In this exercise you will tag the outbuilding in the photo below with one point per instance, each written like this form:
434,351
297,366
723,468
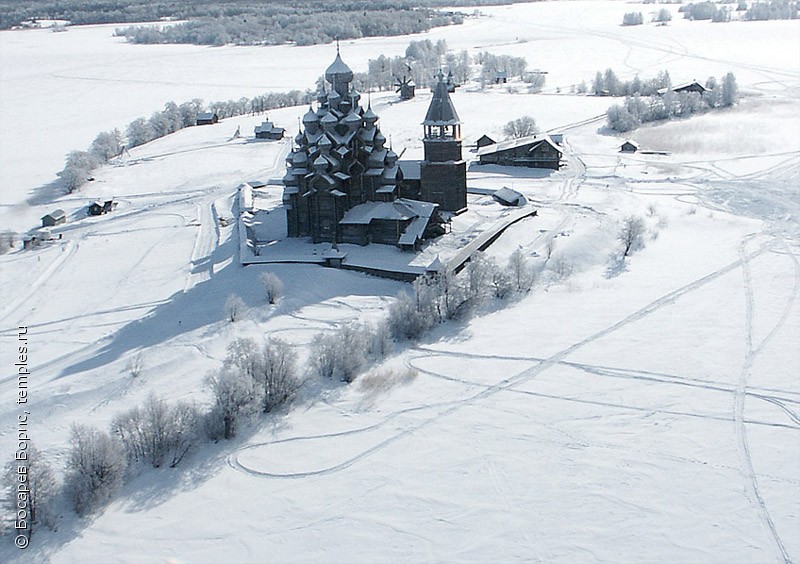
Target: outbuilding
508,197
207,118
55,217
629,147
485,141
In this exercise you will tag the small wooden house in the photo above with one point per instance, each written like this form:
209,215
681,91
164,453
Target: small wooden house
100,207
501,77
532,152
629,147
693,86
207,118
509,197
268,130
485,141
55,217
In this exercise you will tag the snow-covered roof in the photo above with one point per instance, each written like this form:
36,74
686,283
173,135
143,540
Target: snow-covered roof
410,169
206,115
441,111
533,141
509,197
56,214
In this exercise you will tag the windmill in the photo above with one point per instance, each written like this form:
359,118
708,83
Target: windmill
405,87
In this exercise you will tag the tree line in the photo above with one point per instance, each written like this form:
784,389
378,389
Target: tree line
15,12
638,108
109,144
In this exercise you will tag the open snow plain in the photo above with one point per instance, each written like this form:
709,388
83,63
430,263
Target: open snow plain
644,415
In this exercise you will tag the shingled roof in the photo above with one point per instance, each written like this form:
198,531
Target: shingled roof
441,111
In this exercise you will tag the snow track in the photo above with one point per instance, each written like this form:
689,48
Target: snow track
752,351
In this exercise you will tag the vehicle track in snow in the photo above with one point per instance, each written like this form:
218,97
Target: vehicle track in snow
493,389
752,352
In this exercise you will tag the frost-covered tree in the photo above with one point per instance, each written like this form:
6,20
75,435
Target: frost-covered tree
277,376
139,132
107,145
341,354
633,18
631,235
94,470
405,320
7,238
33,473
730,91
273,286
663,16
520,127
77,169
234,398
234,308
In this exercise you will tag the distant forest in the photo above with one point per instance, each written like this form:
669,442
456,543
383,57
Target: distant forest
246,22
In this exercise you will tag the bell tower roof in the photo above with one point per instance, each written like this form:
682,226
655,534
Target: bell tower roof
441,111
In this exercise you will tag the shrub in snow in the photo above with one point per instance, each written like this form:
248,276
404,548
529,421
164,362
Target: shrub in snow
273,286
272,367
94,470
234,307
234,398
521,272
135,365
341,354
6,241
405,321
41,485
158,433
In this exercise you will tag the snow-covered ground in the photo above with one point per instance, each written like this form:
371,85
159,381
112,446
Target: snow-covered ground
647,415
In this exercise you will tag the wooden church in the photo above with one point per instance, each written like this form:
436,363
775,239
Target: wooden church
342,181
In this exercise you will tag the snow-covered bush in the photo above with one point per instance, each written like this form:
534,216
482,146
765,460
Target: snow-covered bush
235,398
405,321
234,307
342,354
41,485
273,286
521,272
6,241
94,470
272,367
663,16
158,433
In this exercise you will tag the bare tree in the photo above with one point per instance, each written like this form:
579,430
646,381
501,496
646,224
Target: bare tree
234,306
95,467
234,397
273,286
520,127
278,376
520,271
631,235
135,365
33,479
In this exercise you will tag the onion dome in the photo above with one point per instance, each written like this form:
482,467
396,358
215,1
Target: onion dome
321,163
379,140
391,158
338,72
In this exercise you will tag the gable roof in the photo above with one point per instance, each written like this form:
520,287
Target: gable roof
533,140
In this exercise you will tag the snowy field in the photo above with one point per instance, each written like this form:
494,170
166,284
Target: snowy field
644,415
